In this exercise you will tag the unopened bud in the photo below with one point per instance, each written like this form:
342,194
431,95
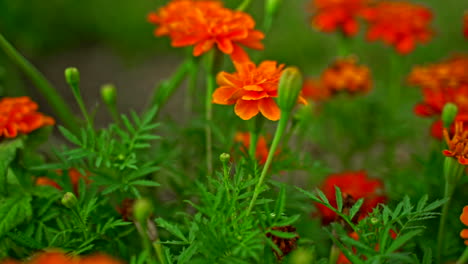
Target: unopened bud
72,76
374,220
224,157
108,94
69,200
449,113
272,6
142,210
290,85
302,255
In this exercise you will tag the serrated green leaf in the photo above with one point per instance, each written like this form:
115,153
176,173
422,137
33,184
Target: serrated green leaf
339,199
171,228
353,211
400,240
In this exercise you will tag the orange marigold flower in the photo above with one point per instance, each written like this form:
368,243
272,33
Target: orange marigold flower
331,15
353,186
346,75
458,144
98,259
53,257
206,23
398,23
74,175
251,89
314,90
18,115
464,220
261,150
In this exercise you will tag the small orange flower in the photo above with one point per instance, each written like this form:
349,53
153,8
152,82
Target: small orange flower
261,151
74,175
331,15
59,257
398,23
314,90
346,75
18,115
464,220
251,89
458,144
204,24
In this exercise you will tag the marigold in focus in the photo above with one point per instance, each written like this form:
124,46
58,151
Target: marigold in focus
18,115
464,220
458,144
398,23
346,75
353,186
332,15
251,89
204,24
261,150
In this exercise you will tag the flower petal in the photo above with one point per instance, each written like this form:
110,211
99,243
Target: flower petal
270,109
222,95
246,109
225,45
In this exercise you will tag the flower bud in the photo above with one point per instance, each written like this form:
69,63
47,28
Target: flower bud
290,85
272,6
453,170
69,200
108,94
72,76
449,113
302,255
224,157
142,210
374,220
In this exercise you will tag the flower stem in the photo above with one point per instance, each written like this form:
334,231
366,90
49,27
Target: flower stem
449,189
210,83
226,179
244,5
283,122
57,103
463,258
334,254
159,252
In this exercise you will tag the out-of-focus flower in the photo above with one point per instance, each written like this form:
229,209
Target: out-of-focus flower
437,127
261,151
98,259
251,89
19,115
286,245
465,24
353,186
126,209
332,15
59,257
204,24
398,23
74,175
458,144
312,89
345,75
464,220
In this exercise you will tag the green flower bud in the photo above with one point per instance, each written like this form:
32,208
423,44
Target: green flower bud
290,85
453,170
142,209
272,6
302,255
108,94
72,76
374,220
69,200
224,157
449,113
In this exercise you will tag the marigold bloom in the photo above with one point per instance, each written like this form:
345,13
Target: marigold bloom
437,128
59,257
74,175
206,23
331,15
353,186
458,144
346,75
464,220
314,90
261,150
398,23
251,89
19,115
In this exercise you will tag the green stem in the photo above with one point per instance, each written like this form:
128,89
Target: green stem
226,179
164,91
57,103
449,189
334,254
244,5
344,44
210,84
463,258
283,122
79,99
159,252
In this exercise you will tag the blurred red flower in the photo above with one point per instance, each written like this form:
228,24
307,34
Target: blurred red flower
353,186
59,257
261,150
398,23
464,220
206,23
314,90
74,175
251,89
19,115
345,75
332,15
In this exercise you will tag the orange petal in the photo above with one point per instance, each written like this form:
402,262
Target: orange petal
223,94
253,95
239,55
246,109
270,109
227,79
464,216
464,234
203,47
225,45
